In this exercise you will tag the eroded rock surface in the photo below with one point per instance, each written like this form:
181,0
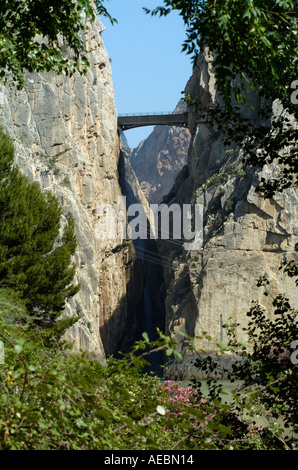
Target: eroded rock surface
65,135
245,236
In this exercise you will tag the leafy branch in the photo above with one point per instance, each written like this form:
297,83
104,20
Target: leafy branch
45,35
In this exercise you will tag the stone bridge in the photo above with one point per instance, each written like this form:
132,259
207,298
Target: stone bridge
130,121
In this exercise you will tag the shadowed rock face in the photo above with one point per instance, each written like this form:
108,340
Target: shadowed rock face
151,310
65,135
158,159
245,236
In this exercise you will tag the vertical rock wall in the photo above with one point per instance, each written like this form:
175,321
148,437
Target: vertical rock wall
65,135
245,235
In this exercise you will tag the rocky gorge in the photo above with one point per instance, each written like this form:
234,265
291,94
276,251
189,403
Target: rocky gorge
65,134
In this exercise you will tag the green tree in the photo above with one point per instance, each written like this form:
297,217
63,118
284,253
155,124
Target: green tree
35,251
253,39
44,35
269,363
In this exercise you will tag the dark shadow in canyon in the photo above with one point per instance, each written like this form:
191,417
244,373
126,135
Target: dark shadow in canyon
150,313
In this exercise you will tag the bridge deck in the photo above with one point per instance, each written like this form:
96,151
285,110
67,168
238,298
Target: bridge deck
132,121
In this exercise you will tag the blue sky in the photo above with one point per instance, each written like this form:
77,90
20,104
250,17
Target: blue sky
149,69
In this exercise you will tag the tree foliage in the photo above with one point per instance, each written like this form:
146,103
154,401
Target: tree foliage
35,251
254,43
52,400
269,364
267,371
253,39
44,35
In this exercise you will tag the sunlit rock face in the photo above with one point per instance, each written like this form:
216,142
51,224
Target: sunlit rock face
65,135
245,236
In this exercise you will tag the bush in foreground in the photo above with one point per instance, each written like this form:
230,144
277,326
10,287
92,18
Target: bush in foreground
54,400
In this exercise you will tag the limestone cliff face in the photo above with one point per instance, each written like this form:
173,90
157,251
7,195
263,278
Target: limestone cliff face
245,236
151,314
65,135
159,158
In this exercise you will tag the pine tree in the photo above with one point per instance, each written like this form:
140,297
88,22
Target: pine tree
35,252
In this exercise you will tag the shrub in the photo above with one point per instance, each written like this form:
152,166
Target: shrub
53,400
267,373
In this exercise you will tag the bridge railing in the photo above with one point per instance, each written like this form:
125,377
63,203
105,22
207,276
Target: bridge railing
162,113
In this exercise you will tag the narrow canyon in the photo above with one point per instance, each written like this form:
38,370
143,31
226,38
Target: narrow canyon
67,140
